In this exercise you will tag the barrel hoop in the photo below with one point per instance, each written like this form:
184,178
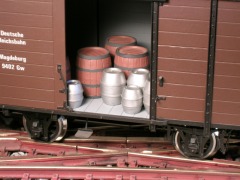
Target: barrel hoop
90,70
129,69
131,55
120,45
104,56
91,85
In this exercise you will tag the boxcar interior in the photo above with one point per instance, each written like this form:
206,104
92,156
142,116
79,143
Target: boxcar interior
104,19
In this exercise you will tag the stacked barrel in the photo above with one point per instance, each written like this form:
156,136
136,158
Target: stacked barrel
130,58
91,62
121,84
115,42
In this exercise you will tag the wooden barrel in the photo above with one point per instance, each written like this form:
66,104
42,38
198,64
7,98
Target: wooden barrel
68,69
130,58
114,42
91,62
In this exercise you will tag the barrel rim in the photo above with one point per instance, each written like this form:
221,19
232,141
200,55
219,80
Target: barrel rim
90,70
107,55
123,68
131,55
120,45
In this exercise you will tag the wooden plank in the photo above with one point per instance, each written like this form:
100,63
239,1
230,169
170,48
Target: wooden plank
104,109
185,12
35,0
32,33
228,29
228,56
28,46
228,43
94,105
127,115
231,5
32,58
230,82
226,107
183,39
177,90
27,20
230,95
227,69
183,26
179,114
27,82
26,7
183,78
27,93
26,103
117,110
188,3
142,114
226,119
182,104
29,70
180,65
86,102
182,52
229,15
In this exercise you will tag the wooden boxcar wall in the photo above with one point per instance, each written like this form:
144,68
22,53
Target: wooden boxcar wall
226,98
34,81
183,61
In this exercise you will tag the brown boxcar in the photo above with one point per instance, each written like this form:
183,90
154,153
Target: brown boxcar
194,52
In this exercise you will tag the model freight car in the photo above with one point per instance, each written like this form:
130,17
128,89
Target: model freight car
194,55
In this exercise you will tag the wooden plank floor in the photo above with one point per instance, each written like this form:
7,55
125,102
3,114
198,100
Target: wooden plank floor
98,106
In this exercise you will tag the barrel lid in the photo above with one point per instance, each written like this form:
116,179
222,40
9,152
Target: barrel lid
119,41
93,53
132,51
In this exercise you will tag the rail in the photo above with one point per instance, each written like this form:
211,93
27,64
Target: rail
95,158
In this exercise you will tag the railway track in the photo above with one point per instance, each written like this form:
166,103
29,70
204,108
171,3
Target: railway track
103,158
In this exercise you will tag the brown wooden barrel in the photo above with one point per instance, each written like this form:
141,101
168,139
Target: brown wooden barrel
68,69
129,58
91,62
114,42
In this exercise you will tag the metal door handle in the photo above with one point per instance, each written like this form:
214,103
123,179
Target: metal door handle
161,81
160,98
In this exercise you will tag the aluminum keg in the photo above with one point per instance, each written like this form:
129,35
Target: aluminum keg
75,93
112,83
138,77
132,99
